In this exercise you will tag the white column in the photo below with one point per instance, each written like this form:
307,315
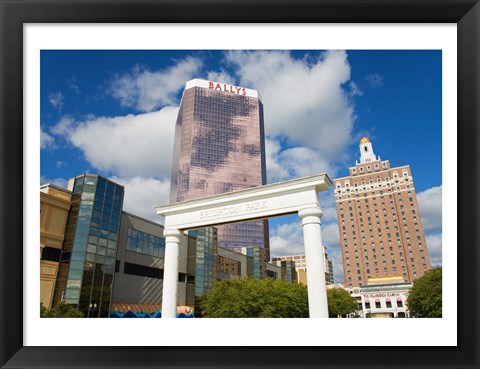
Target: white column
170,273
317,290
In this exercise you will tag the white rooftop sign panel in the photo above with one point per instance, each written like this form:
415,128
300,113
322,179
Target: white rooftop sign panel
220,86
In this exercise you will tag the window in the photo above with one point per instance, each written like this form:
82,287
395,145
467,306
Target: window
50,253
144,243
143,271
377,304
389,304
399,303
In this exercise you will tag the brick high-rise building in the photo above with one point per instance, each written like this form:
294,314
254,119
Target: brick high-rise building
220,147
380,227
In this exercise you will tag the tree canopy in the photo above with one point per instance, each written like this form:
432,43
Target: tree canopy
62,310
425,298
340,302
255,298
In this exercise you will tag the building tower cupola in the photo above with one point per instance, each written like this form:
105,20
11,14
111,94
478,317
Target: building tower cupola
366,151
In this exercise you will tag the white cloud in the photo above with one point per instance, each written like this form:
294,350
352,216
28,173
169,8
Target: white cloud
303,161
330,235
329,214
287,239
60,182
72,84
146,91
375,80
134,145
56,99
434,245
304,102
330,239
143,194
430,205
221,76
308,113
275,171
294,162
63,127
355,90
46,140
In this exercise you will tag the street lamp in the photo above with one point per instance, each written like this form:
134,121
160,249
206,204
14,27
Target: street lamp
91,307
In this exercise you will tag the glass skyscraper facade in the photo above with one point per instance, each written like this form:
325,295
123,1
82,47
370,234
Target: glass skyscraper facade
87,261
220,147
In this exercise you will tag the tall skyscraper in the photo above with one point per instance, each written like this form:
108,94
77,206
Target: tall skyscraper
220,147
380,227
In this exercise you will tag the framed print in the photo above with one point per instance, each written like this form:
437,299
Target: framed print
450,341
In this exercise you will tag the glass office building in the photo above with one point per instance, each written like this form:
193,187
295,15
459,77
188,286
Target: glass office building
220,147
288,270
87,262
205,260
259,261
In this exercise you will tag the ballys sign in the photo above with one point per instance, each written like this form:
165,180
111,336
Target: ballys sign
227,88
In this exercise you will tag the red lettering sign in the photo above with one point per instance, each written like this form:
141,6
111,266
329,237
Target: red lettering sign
227,88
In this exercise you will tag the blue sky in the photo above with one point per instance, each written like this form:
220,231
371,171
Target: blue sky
113,113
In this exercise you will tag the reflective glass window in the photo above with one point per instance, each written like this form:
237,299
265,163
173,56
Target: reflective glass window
91,248
75,273
111,252
90,180
100,259
72,293
90,257
74,283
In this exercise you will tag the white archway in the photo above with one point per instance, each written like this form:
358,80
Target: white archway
289,197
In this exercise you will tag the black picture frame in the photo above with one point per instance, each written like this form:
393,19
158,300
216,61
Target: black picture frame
15,13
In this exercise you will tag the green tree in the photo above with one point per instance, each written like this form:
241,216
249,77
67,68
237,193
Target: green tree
255,298
340,302
43,311
62,310
425,298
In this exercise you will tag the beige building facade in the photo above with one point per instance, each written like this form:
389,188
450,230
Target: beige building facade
380,227
55,204
301,266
